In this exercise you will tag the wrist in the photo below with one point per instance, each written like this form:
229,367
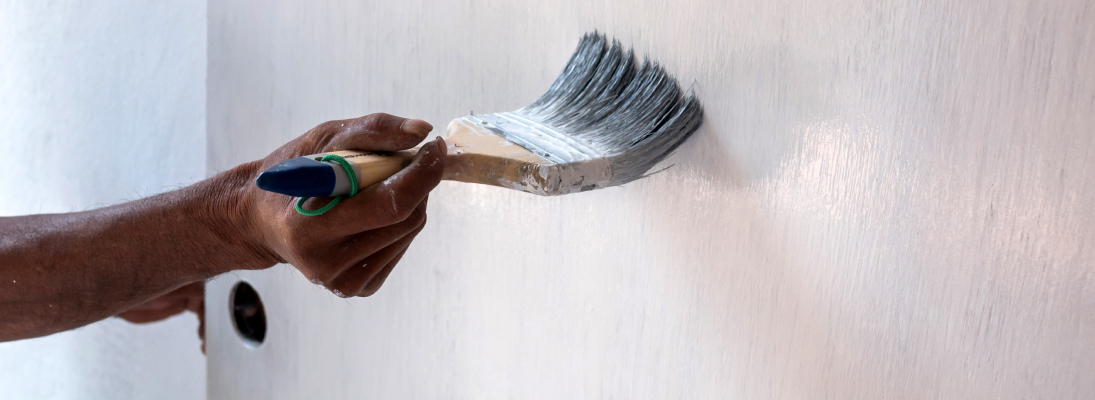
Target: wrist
226,209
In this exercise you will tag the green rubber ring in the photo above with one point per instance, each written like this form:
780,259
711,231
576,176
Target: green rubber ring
353,188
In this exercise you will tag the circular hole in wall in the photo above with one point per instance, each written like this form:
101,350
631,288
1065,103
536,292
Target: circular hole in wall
248,315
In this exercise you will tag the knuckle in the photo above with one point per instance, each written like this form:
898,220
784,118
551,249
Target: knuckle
370,289
389,215
401,213
311,139
374,122
330,126
323,134
399,210
417,217
377,281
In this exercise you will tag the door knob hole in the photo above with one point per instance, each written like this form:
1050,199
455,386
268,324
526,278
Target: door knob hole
248,315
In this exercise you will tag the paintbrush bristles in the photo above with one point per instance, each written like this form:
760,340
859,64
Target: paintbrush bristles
606,121
634,116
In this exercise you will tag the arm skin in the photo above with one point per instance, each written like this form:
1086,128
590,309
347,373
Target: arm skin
62,271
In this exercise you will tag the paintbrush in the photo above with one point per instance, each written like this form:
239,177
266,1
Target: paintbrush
604,122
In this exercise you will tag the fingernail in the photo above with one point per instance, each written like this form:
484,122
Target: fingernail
416,127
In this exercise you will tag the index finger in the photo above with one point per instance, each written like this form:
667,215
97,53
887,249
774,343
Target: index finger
379,132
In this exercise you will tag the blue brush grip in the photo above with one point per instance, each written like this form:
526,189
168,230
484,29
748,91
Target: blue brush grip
299,177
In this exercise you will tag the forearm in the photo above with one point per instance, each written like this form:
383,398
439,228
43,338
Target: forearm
61,271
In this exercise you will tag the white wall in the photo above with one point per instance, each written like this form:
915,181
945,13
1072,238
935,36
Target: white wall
116,89
887,200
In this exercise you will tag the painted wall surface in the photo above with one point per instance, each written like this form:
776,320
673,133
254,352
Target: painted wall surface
887,200
117,89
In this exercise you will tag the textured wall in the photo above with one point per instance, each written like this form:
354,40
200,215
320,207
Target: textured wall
117,89
887,200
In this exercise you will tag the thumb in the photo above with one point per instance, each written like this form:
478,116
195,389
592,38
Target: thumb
380,132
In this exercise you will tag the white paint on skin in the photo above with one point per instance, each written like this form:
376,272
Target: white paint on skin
395,206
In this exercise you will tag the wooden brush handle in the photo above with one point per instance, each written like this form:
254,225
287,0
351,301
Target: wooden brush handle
475,155
373,168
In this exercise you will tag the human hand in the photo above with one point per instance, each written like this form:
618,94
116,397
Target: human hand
187,298
352,248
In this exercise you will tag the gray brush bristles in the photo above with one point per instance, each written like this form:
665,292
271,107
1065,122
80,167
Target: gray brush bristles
635,116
